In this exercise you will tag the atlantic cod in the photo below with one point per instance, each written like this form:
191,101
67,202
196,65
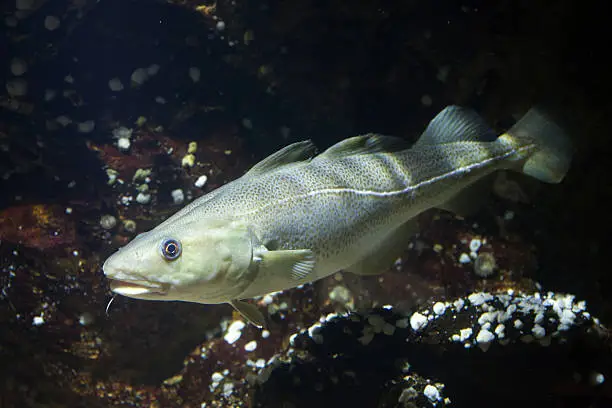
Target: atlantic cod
297,217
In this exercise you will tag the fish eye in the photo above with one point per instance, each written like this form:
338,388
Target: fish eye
170,249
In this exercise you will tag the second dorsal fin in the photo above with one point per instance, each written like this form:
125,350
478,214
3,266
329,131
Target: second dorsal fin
368,143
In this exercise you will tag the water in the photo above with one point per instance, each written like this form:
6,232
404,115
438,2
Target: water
99,118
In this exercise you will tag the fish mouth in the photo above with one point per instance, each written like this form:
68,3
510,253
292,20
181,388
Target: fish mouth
128,288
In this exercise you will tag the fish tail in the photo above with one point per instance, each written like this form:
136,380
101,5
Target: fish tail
550,160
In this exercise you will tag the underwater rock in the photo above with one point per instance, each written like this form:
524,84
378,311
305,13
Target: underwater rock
462,352
37,226
455,348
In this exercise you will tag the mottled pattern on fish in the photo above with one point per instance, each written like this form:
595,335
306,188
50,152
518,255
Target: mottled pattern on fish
341,204
328,203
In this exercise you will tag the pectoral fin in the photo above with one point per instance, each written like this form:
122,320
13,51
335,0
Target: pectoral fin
298,263
382,256
250,312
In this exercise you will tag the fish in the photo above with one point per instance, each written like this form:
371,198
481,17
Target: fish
297,216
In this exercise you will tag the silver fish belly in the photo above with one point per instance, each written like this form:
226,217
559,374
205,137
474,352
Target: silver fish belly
294,218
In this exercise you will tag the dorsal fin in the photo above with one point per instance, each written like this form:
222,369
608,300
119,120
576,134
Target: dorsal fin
368,143
456,124
293,153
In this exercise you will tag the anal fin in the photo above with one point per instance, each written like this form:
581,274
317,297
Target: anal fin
382,256
250,312
471,199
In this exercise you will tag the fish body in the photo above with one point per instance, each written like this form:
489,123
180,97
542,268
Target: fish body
296,217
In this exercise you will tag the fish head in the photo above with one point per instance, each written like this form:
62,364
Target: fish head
204,261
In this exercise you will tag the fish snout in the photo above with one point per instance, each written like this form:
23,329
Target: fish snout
110,267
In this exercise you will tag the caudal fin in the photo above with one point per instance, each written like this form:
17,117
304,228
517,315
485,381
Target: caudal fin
551,160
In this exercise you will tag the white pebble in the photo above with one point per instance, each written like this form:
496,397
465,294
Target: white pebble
265,334
139,76
488,317
194,74
431,393
418,321
597,378
220,26
439,308
464,258
216,377
38,320
115,85
201,181
479,298
250,346
234,331
485,336
178,196
108,221
227,389
475,245
143,198
52,23
18,67
567,317
123,143
86,127
465,334
17,87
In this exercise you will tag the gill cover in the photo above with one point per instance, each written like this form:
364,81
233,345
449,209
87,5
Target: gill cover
232,248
